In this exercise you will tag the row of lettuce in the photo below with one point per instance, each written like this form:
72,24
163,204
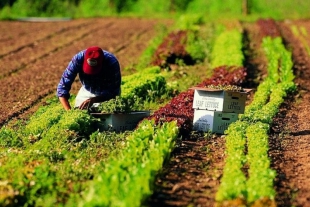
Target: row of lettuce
247,174
60,158
301,33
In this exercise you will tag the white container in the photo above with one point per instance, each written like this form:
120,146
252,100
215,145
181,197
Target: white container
120,122
213,121
219,100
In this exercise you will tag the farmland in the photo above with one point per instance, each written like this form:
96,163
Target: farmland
33,56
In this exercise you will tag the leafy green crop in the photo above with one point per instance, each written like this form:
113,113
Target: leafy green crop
127,176
253,128
146,85
227,49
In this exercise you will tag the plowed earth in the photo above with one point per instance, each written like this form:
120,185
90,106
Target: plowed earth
34,55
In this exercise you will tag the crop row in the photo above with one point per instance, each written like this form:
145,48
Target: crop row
126,177
302,34
250,133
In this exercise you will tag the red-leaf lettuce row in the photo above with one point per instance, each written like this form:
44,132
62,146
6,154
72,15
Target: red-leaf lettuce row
268,27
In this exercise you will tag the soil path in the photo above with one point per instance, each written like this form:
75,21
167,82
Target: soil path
291,128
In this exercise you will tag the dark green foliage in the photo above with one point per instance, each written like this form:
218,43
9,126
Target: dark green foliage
121,5
6,3
179,5
42,8
9,138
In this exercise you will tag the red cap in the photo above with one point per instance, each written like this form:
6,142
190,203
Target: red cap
93,59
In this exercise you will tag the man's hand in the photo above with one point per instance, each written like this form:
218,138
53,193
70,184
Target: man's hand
87,103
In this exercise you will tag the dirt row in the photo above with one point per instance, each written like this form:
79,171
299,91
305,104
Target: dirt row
16,34
29,51
33,72
290,140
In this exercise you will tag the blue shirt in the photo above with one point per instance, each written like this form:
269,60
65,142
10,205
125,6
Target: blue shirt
107,83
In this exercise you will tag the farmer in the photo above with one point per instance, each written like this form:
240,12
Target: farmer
99,74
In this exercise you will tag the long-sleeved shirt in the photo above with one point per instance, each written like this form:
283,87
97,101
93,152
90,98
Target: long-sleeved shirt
107,83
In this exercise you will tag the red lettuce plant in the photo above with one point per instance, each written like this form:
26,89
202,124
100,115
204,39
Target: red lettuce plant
268,27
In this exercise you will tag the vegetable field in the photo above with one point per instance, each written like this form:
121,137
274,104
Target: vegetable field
49,157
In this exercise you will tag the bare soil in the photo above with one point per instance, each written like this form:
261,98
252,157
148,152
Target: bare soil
34,55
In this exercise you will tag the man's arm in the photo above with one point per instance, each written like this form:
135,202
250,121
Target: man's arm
65,103
67,79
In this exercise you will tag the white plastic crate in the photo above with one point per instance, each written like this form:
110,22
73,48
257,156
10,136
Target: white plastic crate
213,121
219,100
122,121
